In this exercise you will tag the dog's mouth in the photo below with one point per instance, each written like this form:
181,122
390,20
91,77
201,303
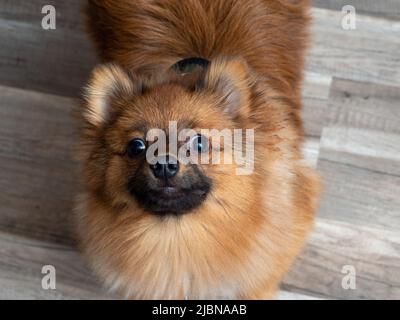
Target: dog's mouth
171,200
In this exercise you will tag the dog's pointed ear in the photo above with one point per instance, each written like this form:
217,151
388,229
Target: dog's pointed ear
107,82
230,80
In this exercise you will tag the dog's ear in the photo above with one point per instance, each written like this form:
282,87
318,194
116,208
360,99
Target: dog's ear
230,80
107,83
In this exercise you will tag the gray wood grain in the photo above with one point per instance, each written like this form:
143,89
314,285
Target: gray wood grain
316,91
37,143
359,155
364,106
368,54
361,174
288,295
310,150
375,255
21,262
53,61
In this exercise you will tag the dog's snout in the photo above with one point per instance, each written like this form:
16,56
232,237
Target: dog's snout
165,169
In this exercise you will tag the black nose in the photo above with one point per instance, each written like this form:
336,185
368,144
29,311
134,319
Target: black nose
165,169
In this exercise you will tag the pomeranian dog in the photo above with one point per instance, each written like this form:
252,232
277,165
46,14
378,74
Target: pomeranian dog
163,228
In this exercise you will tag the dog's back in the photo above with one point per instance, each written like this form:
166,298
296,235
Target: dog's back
151,35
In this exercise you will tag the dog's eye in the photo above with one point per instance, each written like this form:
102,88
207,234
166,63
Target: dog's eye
199,143
136,147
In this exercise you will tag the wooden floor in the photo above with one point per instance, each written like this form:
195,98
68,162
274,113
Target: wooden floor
352,118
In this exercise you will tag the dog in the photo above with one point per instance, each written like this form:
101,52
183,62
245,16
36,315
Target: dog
169,229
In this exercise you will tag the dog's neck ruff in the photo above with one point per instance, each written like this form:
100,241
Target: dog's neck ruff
189,65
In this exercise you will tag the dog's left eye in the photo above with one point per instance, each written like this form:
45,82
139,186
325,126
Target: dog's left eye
199,143
136,147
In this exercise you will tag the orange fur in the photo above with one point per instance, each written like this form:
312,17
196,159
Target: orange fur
242,240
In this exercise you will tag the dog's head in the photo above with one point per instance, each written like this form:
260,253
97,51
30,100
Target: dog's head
166,143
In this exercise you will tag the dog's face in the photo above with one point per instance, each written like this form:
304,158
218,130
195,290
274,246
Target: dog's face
124,114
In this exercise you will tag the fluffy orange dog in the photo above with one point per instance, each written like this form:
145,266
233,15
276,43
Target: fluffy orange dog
173,230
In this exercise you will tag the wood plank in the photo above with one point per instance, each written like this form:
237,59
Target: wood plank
359,155
37,146
375,255
21,262
360,170
53,61
316,85
365,106
311,151
382,8
314,115
370,53
316,91
287,295
373,151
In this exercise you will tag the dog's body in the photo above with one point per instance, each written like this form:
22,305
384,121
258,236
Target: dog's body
240,238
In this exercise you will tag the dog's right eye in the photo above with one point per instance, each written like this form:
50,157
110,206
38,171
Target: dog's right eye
199,144
136,147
